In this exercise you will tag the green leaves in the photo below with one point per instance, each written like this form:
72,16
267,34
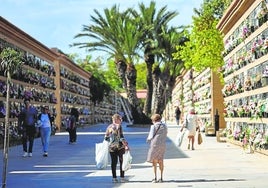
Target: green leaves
10,60
205,45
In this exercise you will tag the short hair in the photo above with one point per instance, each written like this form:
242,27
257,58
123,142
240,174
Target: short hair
75,113
156,117
25,100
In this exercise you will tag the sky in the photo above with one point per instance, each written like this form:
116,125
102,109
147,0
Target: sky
54,23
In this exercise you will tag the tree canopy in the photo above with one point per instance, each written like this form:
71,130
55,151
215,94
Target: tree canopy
205,43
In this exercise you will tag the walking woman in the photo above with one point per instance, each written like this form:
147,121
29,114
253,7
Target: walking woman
191,123
117,146
157,138
45,128
74,117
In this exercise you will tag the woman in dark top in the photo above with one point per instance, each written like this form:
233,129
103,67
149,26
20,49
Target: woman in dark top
117,146
74,117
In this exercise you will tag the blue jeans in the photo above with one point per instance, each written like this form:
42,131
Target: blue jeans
45,136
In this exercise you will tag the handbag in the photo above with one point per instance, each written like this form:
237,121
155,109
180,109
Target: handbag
116,146
186,122
199,138
101,154
180,137
127,160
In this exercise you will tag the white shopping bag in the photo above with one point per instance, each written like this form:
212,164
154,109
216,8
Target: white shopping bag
101,154
127,160
180,137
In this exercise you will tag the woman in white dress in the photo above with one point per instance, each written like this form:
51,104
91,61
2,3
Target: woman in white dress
191,123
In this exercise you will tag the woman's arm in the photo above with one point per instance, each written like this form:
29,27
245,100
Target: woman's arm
107,133
151,133
123,140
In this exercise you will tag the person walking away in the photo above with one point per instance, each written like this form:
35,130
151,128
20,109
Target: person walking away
74,117
191,123
27,120
117,146
157,138
45,128
177,114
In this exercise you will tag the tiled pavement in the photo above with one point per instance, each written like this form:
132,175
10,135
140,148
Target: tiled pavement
211,164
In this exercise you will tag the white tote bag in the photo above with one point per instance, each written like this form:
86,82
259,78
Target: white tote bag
101,154
180,137
127,160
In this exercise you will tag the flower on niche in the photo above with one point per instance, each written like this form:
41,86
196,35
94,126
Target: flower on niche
264,10
254,47
245,31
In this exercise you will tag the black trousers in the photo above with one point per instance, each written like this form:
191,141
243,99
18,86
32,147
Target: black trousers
72,135
114,159
28,135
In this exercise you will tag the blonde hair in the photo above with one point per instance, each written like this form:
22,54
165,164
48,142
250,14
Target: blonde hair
156,117
116,116
191,110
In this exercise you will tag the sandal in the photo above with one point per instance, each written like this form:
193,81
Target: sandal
154,180
160,180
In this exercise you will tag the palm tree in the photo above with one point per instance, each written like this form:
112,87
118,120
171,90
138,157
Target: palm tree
157,43
118,34
10,62
151,21
164,78
168,42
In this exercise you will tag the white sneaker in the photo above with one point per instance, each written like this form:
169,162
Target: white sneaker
30,154
115,180
123,180
25,154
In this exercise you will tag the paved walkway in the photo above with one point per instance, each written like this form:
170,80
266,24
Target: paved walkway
212,164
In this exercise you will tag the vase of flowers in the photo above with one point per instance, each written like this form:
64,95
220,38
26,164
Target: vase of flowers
262,15
264,79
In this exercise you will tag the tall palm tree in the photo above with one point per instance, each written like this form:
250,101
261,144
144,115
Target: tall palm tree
164,79
152,21
118,34
10,63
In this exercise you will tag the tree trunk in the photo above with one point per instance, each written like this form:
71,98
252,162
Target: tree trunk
128,75
121,70
136,110
6,141
161,97
156,76
163,85
149,79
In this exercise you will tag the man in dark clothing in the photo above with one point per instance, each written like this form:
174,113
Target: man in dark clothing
177,114
26,121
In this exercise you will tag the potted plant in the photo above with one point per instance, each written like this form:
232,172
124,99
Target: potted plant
264,79
262,15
